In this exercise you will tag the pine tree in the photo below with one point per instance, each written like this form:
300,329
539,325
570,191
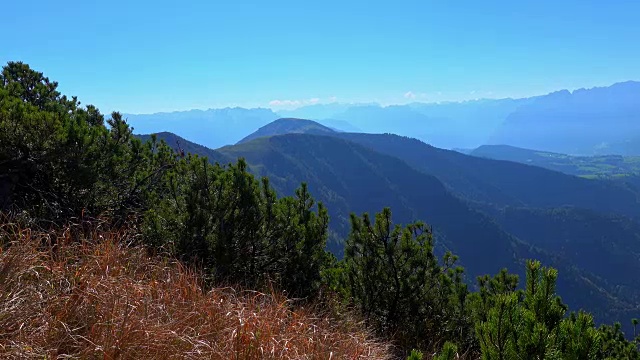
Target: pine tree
449,352
224,220
397,282
59,161
531,324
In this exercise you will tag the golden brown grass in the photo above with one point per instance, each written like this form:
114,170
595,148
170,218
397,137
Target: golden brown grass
98,298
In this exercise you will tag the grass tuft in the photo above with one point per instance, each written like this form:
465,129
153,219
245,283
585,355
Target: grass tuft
65,295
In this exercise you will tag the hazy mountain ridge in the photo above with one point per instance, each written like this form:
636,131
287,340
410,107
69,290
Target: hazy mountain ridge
212,128
601,120
583,122
288,126
446,125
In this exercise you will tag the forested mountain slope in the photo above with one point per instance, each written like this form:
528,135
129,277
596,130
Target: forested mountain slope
348,177
368,178
180,145
503,183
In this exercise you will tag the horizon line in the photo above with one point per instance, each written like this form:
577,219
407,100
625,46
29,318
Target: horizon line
379,104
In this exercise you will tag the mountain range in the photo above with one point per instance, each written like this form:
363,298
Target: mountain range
593,121
601,120
492,213
212,128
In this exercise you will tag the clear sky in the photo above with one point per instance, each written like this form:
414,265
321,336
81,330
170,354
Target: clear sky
141,56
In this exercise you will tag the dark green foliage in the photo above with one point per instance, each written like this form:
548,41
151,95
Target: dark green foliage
579,339
523,326
415,355
615,345
531,323
235,226
489,289
181,145
58,160
394,278
449,352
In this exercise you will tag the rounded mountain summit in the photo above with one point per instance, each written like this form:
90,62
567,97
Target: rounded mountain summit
289,126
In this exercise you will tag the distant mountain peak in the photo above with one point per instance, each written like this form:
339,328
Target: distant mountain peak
575,122
284,126
293,119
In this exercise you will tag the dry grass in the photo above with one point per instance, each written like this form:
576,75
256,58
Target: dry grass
98,298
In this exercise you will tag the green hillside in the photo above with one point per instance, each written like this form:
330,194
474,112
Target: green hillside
495,182
586,166
599,246
348,177
183,145
584,238
503,183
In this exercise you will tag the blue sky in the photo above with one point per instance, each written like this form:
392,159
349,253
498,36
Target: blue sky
149,56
